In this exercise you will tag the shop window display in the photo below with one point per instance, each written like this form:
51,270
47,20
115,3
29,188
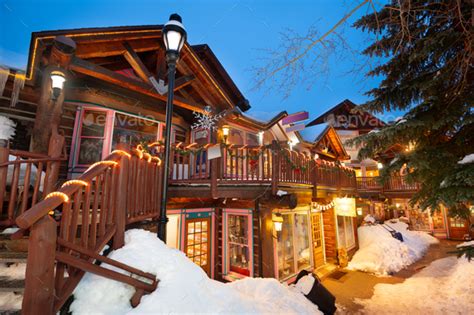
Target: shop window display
238,244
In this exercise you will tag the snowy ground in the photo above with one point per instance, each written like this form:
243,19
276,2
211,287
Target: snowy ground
10,300
381,254
183,288
444,287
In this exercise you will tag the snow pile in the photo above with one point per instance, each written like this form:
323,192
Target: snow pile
369,219
444,287
183,288
7,128
382,254
10,300
467,159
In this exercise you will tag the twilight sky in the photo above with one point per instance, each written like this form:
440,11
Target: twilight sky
236,31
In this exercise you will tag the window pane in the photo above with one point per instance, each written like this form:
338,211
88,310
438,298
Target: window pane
90,151
350,238
236,137
286,261
238,244
341,231
302,241
133,130
252,139
93,123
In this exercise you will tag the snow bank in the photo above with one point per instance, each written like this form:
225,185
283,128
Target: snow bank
183,288
467,159
444,287
382,254
10,300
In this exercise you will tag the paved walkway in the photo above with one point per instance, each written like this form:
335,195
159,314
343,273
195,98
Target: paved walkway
356,284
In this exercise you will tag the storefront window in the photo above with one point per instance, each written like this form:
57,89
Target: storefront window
133,130
293,244
239,244
345,229
91,140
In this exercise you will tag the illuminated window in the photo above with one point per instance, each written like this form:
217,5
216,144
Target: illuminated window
239,242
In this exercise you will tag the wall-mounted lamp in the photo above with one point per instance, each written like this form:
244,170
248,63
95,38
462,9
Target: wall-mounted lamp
260,138
225,133
359,211
316,156
277,221
379,166
57,84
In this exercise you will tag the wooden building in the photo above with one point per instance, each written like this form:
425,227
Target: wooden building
247,198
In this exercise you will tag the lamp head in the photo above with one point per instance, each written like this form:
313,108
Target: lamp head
174,36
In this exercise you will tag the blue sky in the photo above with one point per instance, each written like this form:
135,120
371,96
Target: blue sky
235,30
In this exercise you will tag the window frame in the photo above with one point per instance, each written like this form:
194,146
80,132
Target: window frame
295,255
225,242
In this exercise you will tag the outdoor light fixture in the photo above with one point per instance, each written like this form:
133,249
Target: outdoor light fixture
379,166
278,221
225,133
316,156
359,211
260,138
174,36
57,83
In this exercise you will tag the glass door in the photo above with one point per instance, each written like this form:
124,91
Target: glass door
318,240
198,242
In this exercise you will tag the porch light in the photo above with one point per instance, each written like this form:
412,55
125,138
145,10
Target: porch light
260,138
316,156
174,36
379,166
292,143
277,221
57,83
225,133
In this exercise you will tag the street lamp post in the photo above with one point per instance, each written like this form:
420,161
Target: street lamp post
174,36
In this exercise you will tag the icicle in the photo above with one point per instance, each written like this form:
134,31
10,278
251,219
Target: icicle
4,72
18,85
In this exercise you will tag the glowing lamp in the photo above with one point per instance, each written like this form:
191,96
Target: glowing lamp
225,132
57,83
260,138
316,156
379,166
174,36
278,222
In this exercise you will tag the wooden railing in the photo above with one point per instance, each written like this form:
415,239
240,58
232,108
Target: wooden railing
239,164
71,226
393,184
25,177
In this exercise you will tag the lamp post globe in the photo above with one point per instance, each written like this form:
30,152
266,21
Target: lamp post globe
174,36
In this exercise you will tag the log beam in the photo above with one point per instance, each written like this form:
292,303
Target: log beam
104,74
136,63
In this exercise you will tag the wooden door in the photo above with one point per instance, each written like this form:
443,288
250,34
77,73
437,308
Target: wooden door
458,228
198,242
318,240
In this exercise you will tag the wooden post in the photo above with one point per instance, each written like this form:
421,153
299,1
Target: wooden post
121,203
4,153
56,144
275,167
314,174
48,112
39,279
214,167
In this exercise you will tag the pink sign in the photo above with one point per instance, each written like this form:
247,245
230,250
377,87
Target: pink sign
295,117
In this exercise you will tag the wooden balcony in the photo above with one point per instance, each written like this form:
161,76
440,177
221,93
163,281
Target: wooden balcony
394,185
249,166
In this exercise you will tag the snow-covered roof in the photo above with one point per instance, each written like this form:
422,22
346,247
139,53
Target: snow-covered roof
313,133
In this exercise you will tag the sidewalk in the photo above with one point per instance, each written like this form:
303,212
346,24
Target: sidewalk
357,284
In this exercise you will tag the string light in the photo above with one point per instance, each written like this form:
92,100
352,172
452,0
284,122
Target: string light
122,152
156,159
58,194
75,181
147,157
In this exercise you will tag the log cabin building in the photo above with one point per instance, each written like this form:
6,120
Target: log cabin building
246,198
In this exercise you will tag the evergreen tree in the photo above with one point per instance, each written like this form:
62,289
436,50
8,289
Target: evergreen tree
428,73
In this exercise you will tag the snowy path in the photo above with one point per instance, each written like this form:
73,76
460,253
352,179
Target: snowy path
360,285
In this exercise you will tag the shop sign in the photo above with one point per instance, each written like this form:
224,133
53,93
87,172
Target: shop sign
345,207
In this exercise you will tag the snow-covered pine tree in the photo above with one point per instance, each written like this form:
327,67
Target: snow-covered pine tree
428,49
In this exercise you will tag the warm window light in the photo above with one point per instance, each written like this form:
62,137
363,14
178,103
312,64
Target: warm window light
397,205
57,83
379,166
278,222
260,138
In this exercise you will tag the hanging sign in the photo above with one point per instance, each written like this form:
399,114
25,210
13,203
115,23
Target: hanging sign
317,207
214,152
296,127
345,206
299,116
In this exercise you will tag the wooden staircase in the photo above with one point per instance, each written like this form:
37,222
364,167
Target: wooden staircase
61,237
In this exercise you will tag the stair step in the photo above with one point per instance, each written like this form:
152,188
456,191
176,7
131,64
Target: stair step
11,285
13,257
